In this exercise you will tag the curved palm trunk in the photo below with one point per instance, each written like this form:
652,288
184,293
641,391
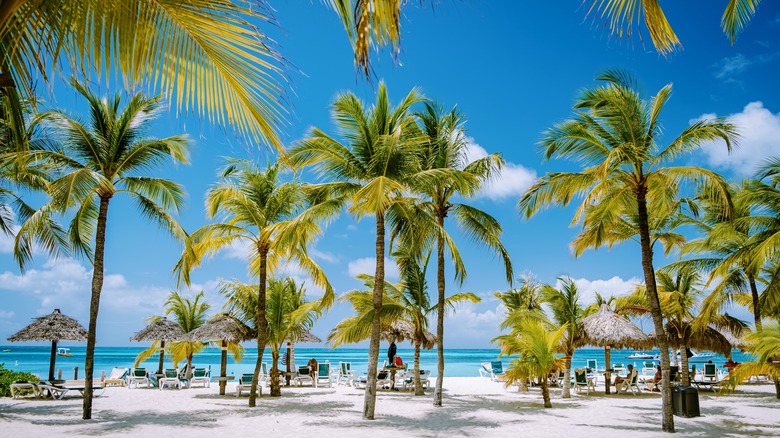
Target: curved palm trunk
438,393
417,383
667,419
276,383
566,393
546,392
94,305
261,323
373,348
756,306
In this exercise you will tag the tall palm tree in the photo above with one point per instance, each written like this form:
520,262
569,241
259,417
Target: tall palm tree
276,219
614,136
537,347
288,314
723,237
189,314
206,56
372,169
97,161
566,311
376,23
447,175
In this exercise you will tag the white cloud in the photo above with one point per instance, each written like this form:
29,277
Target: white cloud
727,68
759,130
6,315
614,286
367,265
238,249
513,180
323,255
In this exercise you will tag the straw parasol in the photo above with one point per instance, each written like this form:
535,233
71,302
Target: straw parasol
709,339
401,330
161,329
607,329
52,327
225,328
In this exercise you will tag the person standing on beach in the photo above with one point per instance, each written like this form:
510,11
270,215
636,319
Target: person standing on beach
391,354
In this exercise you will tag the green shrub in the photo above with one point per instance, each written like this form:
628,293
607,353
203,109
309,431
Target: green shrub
7,377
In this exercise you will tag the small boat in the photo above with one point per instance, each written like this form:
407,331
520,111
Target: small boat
64,352
6,350
641,355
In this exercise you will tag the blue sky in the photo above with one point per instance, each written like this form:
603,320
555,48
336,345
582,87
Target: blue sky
514,69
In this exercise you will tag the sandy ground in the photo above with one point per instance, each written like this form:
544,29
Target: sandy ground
473,407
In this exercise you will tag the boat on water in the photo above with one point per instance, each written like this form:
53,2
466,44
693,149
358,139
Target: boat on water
7,350
64,352
641,355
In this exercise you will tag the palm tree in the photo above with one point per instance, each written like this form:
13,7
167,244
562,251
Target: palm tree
276,219
566,311
723,237
97,161
375,23
537,348
288,315
372,170
614,135
446,175
765,348
189,314
205,55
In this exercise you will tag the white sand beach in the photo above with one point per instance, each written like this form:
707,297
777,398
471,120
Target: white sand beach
473,407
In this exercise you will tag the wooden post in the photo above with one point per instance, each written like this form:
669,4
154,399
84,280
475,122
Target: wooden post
162,356
59,374
223,373
607,374
75,373
52,359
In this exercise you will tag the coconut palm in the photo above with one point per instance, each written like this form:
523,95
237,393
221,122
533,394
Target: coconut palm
447,175
614,136
372,169
97,161
713,253
375,23
566,311
207,56
537,348
765,347
277,220
288,314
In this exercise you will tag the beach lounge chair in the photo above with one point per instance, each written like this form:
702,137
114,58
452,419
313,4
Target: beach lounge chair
383,380
116,377
48,389
710,372
592,368
631,384
323,375
138,376
346,375
245,384
303,376
19,389
493,370
581,380
201,376
425,379
170,380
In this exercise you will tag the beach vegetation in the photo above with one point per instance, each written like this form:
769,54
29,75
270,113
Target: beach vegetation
107,156
447,175
8,377
765,347
537,346
625,172
371,170
276,219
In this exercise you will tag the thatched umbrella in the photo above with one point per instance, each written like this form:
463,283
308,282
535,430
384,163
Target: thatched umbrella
225,328
607,329
161,329
400,330
52,327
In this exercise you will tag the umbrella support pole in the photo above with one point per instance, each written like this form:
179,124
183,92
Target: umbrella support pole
52,359
223,369
607,367
162,357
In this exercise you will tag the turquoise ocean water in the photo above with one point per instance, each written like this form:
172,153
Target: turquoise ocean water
458,362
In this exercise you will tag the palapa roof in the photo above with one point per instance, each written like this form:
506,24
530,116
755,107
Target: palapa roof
400,330
162,329
605,328
303,336
52,327
708,340
222,327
